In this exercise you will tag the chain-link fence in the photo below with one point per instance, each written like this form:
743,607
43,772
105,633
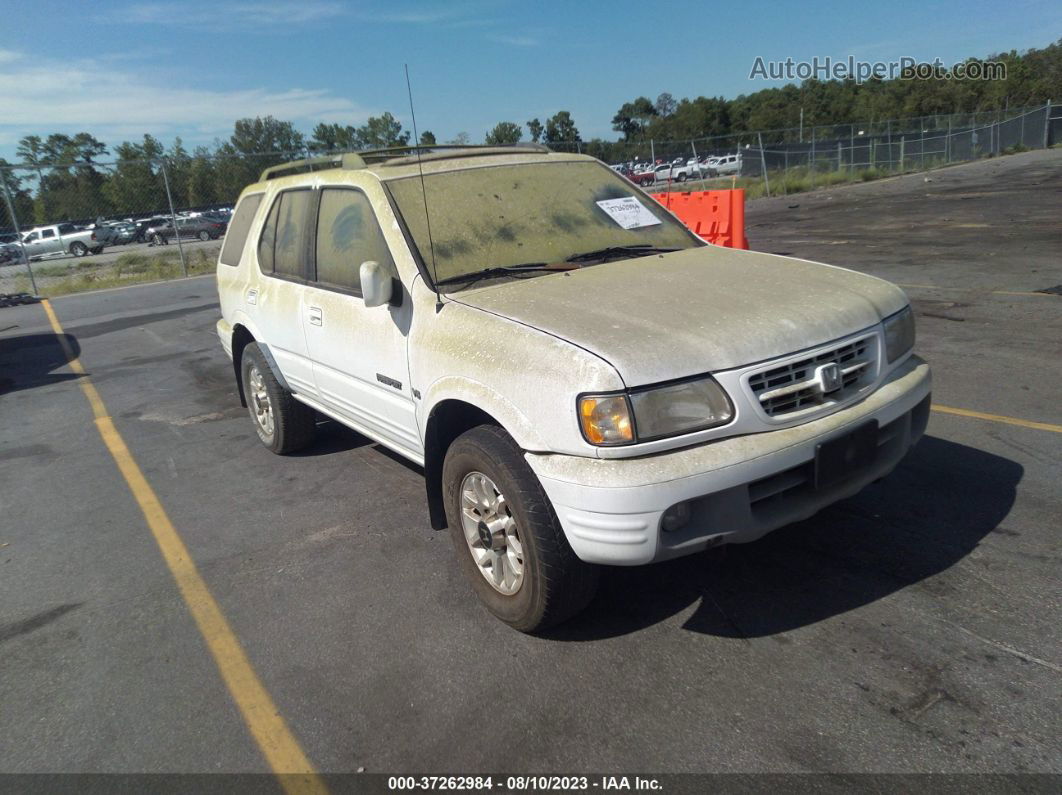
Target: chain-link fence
798,158
89,224
70,226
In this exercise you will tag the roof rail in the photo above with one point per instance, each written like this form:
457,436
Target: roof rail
389,151
346,160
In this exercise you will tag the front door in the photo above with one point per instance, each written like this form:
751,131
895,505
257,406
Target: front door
359,353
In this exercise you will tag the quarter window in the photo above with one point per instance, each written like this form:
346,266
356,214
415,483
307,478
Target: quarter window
238,230
348,234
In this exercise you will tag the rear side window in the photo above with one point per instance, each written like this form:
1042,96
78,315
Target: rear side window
47,233
289,251
239,229
348,234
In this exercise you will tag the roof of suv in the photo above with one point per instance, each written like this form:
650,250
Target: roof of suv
399,162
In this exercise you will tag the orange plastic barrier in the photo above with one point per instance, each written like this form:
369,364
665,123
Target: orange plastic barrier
718,216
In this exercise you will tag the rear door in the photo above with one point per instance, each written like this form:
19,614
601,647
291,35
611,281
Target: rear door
275,300
359,353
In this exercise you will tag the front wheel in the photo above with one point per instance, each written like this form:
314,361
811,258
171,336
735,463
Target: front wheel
158,240
507,537
204,236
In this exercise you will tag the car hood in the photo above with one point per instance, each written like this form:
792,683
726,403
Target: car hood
694,311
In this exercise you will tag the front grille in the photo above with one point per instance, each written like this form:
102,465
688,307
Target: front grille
796,387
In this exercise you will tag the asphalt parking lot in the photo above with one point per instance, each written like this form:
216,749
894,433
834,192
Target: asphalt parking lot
913,628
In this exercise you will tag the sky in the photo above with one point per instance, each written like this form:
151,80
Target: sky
191,68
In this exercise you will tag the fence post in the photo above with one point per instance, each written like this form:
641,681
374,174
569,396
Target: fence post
947,143
763,165
173,217
1047,123
652,152
839,156
903,140
18,232
811,163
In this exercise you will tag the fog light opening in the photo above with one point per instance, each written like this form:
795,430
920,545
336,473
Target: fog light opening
676,517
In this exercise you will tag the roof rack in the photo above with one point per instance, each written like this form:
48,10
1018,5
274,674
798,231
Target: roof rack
347,160
356,160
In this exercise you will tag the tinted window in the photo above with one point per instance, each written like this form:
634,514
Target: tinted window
238,229
47,233
289,252
348,235
65,229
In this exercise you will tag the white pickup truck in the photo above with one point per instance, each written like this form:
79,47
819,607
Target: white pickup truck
583,380
60,239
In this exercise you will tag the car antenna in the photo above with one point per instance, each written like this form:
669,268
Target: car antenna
424,194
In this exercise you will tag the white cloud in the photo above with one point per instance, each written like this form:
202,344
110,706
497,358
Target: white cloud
41,97
233,12
513,41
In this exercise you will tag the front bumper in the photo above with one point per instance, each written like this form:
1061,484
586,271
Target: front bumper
739,488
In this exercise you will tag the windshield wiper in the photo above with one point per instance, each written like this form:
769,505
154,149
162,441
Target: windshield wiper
618,251
502,270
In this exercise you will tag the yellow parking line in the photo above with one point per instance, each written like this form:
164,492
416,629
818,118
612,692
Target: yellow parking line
268,728
980,415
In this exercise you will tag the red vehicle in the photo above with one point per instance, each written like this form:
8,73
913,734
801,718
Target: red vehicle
639,177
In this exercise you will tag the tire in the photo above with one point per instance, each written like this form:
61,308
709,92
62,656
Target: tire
553,584
680,178
78,249
282,423
204,236
97,250
158,239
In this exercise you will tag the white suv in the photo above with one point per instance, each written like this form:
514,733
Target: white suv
583,380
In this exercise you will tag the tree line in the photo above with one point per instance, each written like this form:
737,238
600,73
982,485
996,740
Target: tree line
74,177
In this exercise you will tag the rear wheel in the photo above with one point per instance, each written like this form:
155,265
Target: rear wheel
78,249
507,537
282,423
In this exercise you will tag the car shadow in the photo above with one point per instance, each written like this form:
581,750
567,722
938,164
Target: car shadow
31,360
332,437
919,521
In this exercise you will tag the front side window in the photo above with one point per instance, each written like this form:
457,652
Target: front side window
348,234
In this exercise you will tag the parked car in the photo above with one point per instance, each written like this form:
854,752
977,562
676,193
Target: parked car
60,239
145,225
728,164
202,227
635,176
123,234
607,390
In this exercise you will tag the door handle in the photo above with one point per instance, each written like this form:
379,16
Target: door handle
316,317
252,296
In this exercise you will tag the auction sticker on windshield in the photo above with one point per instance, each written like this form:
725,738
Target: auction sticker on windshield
628,212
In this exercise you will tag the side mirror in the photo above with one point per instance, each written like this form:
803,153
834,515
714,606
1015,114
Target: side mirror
376,284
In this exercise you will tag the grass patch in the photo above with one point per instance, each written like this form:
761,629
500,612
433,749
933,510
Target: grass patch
130,268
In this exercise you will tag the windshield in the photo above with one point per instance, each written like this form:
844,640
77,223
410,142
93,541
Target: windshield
501,216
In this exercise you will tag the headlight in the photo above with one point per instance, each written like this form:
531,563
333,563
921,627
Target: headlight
899,334
657,412
680,408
